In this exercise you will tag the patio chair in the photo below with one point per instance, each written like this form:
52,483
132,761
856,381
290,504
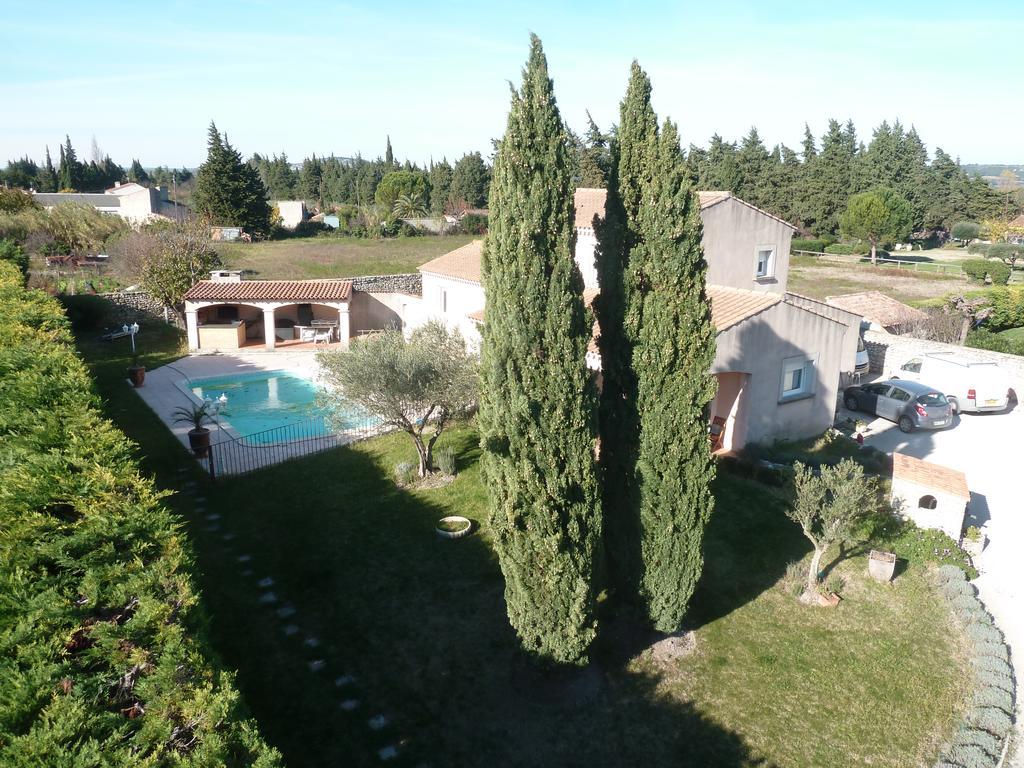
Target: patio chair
325,336
307,334
716,433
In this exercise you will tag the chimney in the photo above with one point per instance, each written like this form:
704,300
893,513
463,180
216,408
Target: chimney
226,276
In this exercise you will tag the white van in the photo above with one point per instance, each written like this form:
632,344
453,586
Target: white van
969,385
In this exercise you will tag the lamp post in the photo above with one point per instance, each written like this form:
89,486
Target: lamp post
136,372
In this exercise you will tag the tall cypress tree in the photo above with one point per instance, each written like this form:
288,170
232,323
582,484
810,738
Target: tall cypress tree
669,319
47,178
229,192
618,236
537,401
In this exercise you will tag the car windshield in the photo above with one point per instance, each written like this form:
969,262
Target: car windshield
932,398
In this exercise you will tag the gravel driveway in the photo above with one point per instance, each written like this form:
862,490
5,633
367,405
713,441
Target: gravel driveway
987,448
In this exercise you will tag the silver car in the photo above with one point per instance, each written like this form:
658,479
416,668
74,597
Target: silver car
910,404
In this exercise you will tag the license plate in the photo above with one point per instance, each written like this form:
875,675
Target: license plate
939,423
991,402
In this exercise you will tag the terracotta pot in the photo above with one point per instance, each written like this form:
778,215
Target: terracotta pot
831,600
881,565
199,440
137,374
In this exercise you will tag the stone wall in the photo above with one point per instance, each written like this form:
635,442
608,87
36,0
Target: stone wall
411,284
887,352
133,306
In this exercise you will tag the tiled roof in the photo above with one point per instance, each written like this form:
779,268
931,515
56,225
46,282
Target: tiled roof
877,307
707,199
589,294
589,202
731,306
305,291
1017,223
95,199
930,476
462,263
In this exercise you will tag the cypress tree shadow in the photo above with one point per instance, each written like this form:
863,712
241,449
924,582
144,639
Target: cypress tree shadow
420,623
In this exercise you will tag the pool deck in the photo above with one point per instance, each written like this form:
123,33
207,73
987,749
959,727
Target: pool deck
162,393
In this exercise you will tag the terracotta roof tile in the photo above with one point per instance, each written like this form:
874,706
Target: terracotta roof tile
1017,223
731,306
928,475
271,290
462,263
589,202
877,307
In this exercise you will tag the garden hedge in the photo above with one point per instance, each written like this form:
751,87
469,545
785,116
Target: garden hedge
987,723
979,269
102,656
812,245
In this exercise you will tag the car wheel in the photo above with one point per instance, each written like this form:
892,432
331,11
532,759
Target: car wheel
906,424
954,405
851,403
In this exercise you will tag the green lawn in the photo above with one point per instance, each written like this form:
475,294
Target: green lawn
820,279
1013,334
320,257
421,624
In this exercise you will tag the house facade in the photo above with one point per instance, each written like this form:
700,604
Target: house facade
133,202
779,355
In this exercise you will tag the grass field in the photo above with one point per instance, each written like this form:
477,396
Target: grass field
420,623
819,279
321,257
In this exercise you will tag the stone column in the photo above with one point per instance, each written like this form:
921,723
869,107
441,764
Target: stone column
269,331
343,326
192,327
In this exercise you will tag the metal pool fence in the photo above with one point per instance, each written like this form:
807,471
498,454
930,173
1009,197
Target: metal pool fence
230,455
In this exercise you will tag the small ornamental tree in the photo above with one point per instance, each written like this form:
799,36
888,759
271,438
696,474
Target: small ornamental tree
827,506
416,385
537,399
965,231
180,256
880,216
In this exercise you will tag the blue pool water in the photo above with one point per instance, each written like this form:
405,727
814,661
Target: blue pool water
257,402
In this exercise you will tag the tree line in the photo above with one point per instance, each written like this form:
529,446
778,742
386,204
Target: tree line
73,175
440,187
811,188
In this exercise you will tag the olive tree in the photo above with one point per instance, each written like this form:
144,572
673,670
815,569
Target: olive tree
965,231
417,384
828,505
181,255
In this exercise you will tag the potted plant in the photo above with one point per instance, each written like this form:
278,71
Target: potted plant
859,428
973,541
136,372
881,565
197,415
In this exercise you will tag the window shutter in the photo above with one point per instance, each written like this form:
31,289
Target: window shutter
810,382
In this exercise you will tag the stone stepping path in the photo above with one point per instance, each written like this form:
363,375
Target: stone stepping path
244,558
291,629
212,518
349,704
268,597
265,583
316,665
344,680
377,722
286,611
228,537
389,752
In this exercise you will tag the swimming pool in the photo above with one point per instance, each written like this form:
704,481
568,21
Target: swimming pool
253,403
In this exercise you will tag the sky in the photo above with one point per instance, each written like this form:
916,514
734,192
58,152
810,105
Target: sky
145,79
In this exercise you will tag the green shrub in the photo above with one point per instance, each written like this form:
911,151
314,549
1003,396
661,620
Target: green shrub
102,651
954,590
965,230
983,338
473,224
405,473
814,245
946,573
847,249
971,756
1006,252
11,252
990,719
981,269
1007,309
980,249
444,458
994,697
993,745
992,679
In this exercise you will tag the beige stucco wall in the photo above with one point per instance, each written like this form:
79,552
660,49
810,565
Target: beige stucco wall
377,311
853,322
586,242
948,515
463,297
759,346
732,234
222,336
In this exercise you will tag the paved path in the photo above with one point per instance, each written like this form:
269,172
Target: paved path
987,448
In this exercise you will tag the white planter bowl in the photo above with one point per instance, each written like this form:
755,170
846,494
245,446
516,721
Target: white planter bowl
465,530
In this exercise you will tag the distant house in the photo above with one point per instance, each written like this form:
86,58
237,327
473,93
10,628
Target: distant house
1016,233
292,212
779,355
133,202
882,312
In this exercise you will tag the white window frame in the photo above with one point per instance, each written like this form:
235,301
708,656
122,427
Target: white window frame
769,272
807,365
